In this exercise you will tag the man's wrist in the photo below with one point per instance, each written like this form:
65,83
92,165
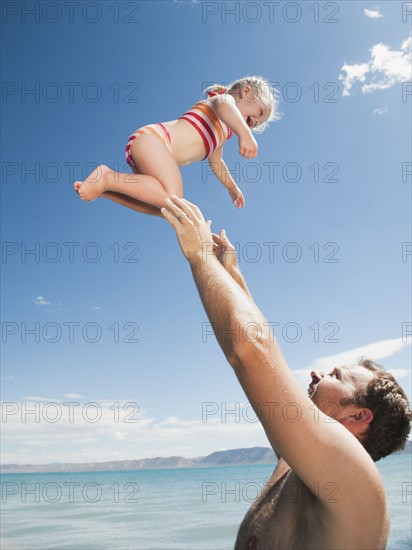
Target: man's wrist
204,255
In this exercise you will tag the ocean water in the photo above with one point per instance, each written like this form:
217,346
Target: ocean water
157,509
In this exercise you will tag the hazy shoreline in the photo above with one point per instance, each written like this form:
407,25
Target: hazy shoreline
234,457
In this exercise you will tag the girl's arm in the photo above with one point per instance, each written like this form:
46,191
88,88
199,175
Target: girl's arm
228,112
220,170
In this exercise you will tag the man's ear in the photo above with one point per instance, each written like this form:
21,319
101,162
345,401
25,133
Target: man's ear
358,417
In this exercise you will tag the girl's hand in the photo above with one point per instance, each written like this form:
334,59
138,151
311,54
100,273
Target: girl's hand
237,197
248,147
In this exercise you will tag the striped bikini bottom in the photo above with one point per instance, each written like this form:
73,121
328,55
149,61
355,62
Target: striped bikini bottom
159,130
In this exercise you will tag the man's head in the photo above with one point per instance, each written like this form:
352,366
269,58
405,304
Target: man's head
368,401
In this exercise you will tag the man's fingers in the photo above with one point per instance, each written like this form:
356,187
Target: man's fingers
178,211
196,210
191,210
225,240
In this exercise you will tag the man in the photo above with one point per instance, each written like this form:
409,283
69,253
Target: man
325,493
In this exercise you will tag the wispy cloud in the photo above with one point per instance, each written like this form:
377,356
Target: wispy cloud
77,434
120,436
373,14
41,301
72,395
380,111
376,351
385,68
38,398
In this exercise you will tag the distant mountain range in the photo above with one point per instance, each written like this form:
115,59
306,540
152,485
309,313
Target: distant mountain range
234,457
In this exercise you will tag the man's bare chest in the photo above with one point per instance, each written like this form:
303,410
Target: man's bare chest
286,515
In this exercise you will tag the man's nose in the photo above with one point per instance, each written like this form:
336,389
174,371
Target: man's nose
317,375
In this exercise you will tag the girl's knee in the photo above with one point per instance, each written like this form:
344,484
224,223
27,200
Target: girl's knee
173,186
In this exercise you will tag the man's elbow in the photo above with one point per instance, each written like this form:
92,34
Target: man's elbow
251,348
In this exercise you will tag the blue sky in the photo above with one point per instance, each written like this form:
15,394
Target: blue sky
322,241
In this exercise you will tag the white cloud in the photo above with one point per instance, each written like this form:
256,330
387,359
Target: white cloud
373,14
399,373
385,68
380,111
353,73
376,351
41,301
72,395
76,437
36,398
120,436
85,433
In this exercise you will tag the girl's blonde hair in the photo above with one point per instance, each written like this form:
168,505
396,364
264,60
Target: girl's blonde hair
265,93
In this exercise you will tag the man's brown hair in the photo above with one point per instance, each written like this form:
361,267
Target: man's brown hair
391,424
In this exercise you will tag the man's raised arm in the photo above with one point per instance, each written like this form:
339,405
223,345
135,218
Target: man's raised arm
321,451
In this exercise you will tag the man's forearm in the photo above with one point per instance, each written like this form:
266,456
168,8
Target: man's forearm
238,277
234,316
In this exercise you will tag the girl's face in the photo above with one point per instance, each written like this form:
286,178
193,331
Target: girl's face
253,111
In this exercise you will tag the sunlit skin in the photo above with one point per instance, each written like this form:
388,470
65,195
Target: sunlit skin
325,493
159,173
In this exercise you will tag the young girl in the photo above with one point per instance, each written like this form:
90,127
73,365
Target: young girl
156,151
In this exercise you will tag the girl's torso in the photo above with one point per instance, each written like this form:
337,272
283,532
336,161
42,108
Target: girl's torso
186,144
197,133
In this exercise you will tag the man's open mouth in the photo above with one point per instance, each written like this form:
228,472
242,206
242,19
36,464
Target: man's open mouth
311,389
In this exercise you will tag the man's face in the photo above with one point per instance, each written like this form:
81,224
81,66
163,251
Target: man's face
328,390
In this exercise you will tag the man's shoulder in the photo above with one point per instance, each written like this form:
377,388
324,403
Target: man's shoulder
354,499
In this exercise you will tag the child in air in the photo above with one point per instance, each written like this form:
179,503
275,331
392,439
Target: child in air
156,151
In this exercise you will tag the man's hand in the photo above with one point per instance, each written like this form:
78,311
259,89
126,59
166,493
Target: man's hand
225,251
193,232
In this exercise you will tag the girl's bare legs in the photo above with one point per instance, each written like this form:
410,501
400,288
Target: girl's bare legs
152,157
124,200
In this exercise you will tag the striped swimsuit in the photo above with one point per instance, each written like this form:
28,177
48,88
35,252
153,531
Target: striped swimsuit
202,117
213,131
158,130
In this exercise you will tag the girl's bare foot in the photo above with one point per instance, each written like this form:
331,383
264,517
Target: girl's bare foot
94,185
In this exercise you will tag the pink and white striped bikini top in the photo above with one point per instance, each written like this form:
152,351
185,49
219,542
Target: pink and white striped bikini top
212,130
